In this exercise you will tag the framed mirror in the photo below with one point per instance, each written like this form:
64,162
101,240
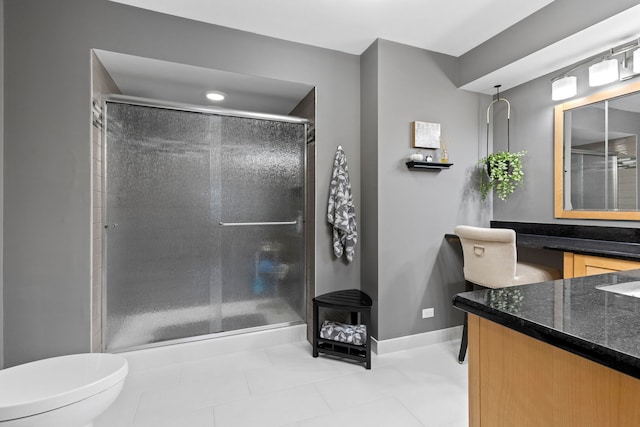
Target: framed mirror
595,156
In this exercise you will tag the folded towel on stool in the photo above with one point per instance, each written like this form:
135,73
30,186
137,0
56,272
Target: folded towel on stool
342,332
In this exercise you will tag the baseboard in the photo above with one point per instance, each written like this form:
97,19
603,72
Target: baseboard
201,349
417,340
194,350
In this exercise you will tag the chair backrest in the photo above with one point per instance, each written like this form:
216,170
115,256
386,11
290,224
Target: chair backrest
490,255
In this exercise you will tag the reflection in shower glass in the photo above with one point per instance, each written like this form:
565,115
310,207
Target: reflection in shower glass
204,224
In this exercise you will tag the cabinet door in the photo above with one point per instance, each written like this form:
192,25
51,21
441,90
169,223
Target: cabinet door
587,265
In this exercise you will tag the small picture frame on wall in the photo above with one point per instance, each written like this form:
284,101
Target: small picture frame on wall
425,135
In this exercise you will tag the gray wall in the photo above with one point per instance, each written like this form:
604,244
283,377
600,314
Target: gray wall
532,130
1,177
402,258
416,267
47,167
369,231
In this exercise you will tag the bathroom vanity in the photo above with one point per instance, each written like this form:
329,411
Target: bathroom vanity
586,250
562,353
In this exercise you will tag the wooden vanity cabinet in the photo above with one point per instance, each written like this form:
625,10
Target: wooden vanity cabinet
578,265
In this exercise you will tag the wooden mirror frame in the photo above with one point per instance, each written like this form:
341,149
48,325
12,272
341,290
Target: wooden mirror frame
558,155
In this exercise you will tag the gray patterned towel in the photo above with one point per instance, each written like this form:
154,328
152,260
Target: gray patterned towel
341,332
341,212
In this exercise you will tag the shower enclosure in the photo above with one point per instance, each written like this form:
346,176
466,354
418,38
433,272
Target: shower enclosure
204,224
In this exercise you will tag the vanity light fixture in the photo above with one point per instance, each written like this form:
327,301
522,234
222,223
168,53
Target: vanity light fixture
603,72
564,87
213,95
636,61
605,67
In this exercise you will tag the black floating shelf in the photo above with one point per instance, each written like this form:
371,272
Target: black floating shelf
430,166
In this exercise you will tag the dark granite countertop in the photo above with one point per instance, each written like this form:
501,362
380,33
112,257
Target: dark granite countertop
572,314
605,248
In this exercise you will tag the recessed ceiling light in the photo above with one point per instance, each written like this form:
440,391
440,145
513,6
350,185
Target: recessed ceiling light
215,96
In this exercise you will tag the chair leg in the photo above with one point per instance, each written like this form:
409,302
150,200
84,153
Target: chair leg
468,286
463,344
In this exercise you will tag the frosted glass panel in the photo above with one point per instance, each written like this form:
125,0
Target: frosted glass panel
262,276
180,262
262,170
159,209
262,175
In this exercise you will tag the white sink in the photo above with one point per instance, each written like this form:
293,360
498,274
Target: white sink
629,288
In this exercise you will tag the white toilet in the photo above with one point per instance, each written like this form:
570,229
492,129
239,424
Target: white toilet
65,391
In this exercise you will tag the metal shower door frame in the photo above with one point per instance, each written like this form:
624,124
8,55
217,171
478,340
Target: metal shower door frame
205,110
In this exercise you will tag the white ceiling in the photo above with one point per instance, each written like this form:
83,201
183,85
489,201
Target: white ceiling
446,26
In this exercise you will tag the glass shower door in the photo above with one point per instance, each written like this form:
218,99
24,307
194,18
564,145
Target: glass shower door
262,202
204,227
161,278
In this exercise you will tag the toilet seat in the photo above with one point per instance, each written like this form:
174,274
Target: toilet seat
49,384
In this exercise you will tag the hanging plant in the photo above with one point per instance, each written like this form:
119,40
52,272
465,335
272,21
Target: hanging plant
504,173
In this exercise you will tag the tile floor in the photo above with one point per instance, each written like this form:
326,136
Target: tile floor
284,386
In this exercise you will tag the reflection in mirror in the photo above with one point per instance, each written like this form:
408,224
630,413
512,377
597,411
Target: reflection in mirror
602,159
596,154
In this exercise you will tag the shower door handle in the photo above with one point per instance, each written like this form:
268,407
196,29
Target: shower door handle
234,224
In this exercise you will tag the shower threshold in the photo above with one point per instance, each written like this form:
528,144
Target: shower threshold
238,318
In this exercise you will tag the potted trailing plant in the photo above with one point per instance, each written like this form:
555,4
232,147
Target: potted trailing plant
504,172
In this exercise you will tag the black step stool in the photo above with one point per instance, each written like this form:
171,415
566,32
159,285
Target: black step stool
351,300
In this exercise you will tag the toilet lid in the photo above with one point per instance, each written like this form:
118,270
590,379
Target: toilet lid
49,384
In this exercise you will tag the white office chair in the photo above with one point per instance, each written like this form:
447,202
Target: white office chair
491,260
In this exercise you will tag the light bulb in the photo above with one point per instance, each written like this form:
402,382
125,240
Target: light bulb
215,96
564,88
603,72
